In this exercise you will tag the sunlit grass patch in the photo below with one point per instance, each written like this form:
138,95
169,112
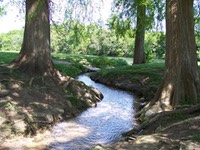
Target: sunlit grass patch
71,70
148,75
91,60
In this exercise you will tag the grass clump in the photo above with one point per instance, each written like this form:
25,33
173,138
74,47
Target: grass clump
102,62
195,137
72,70
79,104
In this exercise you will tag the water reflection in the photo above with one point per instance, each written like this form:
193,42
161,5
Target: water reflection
101,125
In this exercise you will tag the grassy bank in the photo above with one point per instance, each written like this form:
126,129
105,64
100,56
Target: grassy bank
73,64
142,79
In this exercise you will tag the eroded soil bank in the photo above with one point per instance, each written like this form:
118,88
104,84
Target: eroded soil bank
29,105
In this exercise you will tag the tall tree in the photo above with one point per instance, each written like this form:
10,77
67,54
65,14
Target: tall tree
139,56
34,57
143,12
181,83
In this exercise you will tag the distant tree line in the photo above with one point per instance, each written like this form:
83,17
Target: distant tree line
74,37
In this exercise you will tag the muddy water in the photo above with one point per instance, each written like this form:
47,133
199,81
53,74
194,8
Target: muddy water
101,125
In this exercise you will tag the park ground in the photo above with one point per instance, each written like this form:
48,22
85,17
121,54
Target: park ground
170,130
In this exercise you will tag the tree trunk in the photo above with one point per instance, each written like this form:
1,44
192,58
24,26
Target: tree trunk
34,57
140,35
181,77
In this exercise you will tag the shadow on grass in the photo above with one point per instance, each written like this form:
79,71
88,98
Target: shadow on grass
7,57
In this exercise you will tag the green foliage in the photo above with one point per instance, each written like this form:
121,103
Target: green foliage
121,27
106,43
124,9
11,41
154,45
73,37
2,9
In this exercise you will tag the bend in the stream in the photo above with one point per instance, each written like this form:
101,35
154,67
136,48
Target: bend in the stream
103,124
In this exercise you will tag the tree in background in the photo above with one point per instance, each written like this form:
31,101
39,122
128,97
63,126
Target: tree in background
139,56
11,41
34,56
144,11
181,83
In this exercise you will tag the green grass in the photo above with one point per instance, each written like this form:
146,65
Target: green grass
195,137
136,72
91,60
77,61
153,71
7,57
149,74
71,70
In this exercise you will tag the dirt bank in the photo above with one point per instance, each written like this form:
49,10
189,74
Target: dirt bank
29,105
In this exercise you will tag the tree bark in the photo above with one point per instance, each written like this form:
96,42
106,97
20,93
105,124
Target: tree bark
34,57
181,78
139,56
181,83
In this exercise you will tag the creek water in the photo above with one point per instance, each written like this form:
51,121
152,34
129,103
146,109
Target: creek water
103,124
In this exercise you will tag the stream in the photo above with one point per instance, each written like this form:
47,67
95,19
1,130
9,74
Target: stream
103,124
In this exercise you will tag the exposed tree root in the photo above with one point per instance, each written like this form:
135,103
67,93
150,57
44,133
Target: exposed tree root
182,122
150,121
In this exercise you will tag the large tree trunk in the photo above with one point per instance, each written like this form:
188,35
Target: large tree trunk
139,56
181,83
181,78
34,57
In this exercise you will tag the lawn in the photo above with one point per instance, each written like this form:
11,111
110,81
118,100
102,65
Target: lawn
113,70
91,60
76,62
149,75
6,57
